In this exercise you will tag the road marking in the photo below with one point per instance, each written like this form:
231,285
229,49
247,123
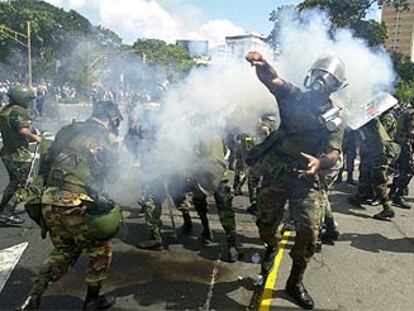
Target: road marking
271,281
9,258
214,275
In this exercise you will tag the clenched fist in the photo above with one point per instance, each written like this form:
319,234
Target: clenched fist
256,59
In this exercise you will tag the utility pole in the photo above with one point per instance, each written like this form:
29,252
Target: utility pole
24,39
29,52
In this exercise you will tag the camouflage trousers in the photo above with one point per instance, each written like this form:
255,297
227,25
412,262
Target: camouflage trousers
155,196
305,205
405,164
253,181
70,238
13,194
373,178
223,198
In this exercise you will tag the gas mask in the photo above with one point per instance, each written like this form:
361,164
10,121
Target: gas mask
327,75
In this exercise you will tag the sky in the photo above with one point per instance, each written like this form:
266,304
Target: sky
179,19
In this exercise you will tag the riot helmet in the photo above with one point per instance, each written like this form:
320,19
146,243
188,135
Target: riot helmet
327,75
21,95
109,110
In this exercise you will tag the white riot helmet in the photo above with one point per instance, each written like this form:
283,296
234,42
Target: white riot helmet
326,75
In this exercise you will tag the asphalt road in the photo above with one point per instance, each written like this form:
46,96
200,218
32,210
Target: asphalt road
370,268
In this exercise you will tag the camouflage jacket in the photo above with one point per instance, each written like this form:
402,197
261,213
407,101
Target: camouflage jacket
81,159
15,146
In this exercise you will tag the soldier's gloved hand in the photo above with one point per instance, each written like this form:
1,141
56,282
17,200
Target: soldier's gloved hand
314,165
35,131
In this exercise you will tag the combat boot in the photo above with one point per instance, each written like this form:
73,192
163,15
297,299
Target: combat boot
187,227
206,237
153,243
400,202
233,252
95,301
296,289
387,213
31,303
331,232
355,201
33,300
9,217
252,209
269,258
350,181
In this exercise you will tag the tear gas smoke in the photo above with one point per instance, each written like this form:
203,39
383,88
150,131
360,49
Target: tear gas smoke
210,101
306,36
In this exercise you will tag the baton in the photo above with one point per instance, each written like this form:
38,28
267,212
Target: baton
32,163
170,210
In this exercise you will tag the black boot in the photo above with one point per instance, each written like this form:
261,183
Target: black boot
252,209
296,289
187,227
233,253
33,300
399,201
355,201
269,258
95,301
331,233
154,242
387,213
31,303
350,181
206,237
9,217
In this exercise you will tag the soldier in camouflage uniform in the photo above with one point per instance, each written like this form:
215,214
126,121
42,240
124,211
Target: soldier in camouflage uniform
330,232
15,127
267,126
79,161
208,177
289,171
350,153
378,152
152,201
243,144
404,138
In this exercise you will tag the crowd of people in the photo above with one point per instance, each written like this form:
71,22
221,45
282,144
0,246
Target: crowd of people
290,169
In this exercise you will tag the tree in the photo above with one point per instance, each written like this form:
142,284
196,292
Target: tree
56,37
352,14
173,60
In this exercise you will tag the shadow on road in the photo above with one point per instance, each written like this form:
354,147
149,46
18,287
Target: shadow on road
377,242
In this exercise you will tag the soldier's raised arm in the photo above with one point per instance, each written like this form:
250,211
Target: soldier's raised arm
265,72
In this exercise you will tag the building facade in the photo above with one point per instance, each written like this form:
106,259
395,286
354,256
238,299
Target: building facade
400,26
239,46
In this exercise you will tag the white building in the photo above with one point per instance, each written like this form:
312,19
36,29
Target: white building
239,46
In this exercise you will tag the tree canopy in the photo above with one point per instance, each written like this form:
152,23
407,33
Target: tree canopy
173,60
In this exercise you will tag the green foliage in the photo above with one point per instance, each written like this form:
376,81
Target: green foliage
405,70
405,91
173,60
56,34
352,14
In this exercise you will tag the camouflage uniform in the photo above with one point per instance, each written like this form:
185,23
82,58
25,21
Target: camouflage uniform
378,152
15,154
80,161
300,131
243,144
405,162
350,153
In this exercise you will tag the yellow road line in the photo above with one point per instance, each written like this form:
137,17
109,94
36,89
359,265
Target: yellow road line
270,285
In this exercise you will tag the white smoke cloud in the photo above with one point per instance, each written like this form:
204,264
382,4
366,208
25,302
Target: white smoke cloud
134,19
304,40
